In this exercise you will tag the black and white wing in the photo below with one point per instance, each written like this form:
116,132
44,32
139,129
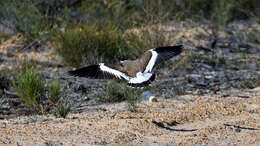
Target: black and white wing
141,80
99,71
161,54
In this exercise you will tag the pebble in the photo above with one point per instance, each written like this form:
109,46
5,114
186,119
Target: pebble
206,66
194,76
209,77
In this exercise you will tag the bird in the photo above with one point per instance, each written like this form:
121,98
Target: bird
137,73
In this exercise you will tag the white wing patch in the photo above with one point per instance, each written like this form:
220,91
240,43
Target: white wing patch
151,63
116,73
140,78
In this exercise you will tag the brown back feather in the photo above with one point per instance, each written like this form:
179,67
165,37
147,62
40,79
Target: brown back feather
130,68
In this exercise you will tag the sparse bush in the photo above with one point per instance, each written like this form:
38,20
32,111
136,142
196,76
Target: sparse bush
126,14
23,16
120,13
247,85
54,91
132,99
89,42
222,13
148,37
118,92
114,92
137,13
30,87
62,110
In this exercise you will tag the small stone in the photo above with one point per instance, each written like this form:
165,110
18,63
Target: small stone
1,92
242,49
194,76
209,77
206,66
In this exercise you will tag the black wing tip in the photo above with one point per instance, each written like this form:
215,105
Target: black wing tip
89,71
176,49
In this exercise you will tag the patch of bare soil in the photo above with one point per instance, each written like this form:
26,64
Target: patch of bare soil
188,120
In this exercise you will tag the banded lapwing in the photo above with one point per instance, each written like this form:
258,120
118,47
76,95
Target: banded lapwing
137,73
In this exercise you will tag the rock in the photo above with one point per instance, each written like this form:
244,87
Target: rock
243,49
201,85
224,86
209,77
1,93
82,88
206,66
194,76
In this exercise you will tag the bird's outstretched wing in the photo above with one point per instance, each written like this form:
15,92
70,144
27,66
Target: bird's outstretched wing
99,71
161,54
139,83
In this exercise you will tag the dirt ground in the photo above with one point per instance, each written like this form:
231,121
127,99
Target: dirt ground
184,120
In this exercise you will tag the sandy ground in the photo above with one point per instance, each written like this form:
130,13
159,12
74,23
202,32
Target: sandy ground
184,120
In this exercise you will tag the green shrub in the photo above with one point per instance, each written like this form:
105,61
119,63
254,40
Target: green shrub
219,11
247,85
148,37
126,14
40,99
118,92
113,92
222,12
30,87
89,43
62,110
23,16
134,96
120,13
54,91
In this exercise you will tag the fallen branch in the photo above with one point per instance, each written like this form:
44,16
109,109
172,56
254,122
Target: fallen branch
239,127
